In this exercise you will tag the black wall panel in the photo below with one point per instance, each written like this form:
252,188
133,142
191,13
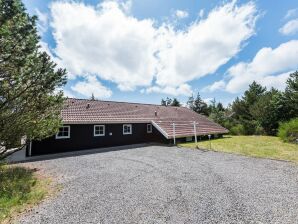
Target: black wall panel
81,137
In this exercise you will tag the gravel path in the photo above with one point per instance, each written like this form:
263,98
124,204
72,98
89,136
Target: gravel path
157,184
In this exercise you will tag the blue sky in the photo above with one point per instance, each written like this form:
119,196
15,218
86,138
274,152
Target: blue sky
145,50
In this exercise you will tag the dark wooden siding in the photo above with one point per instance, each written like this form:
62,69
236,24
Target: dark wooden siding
81,137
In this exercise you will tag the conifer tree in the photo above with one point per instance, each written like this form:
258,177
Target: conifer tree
30,104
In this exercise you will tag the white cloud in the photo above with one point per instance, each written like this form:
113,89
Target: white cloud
43,21
270,67
218,85
68,93
205,45
208,100
183,89
104,41
125,5
181,14
109,43
45,47
290,27
277,81
201,13
91,86
291,13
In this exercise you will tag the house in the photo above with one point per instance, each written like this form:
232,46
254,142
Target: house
89,124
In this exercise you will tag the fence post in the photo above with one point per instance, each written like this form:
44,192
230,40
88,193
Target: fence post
209,136
174,133
30,148
195,132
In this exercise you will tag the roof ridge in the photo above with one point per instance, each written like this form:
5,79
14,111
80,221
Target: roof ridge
111,101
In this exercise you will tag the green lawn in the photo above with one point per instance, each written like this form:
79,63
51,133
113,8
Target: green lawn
256,146
19,188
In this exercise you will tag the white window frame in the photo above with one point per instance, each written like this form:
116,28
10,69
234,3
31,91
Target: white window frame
127,133
104,130
150,129
64,137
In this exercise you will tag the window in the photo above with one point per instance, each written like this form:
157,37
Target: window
99,130
64,132
149,128
127,129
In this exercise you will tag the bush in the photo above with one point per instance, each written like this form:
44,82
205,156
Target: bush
249,127
259,130
237,130
288,131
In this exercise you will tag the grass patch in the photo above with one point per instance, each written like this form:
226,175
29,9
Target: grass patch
256,146
20,188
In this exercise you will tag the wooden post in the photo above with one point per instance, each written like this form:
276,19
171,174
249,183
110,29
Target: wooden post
174,133
195,132
209,136
30,148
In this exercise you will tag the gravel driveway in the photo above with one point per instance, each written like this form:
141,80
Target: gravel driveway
158,184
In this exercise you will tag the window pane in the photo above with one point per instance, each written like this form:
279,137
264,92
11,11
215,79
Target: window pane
149,128
99,130
63,132
127,129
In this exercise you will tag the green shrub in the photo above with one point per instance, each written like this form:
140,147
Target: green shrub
288,131
249,127
237,130
259,130
229,123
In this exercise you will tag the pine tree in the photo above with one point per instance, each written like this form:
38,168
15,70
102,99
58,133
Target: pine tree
92,97
190,102
266,111
212,107
290,97
242,107
200,106
220,107
175,103
29,104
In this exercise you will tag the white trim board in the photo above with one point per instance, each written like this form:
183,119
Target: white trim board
160,129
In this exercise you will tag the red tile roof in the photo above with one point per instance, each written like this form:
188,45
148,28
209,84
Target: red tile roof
82,111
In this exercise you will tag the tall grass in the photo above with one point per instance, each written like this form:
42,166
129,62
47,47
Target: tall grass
18,187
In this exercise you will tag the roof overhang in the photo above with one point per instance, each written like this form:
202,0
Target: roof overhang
108,122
